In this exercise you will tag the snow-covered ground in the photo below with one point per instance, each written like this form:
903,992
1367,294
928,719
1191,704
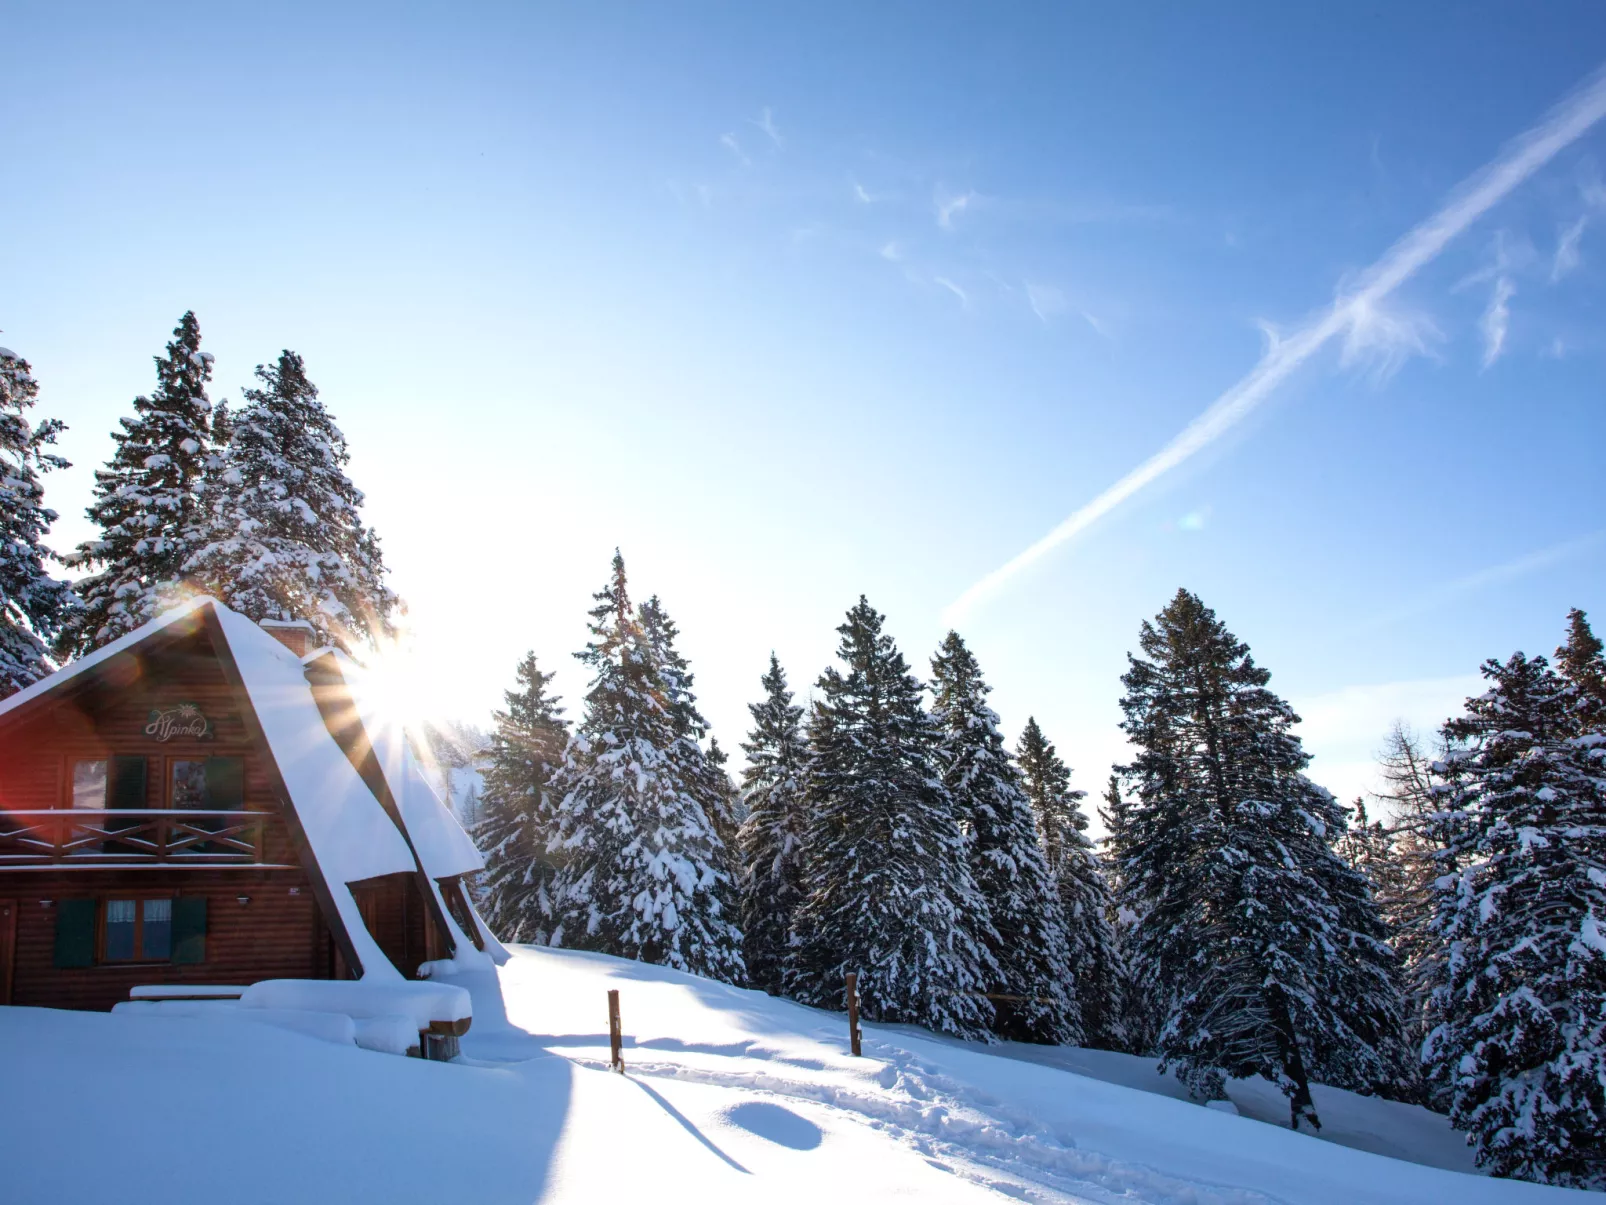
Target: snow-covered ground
729,1096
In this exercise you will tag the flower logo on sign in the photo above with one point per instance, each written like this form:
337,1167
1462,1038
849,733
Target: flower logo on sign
185,720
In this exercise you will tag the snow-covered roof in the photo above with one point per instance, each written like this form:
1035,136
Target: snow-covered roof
443,847
350,835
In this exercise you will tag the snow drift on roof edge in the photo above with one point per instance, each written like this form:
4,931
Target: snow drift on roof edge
350,835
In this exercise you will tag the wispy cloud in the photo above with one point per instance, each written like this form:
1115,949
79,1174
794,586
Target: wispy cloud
862,194
1562,126
729,142
1568,256
1381,337
1496,320
948,206
766,122
891,251
964,297
1046,301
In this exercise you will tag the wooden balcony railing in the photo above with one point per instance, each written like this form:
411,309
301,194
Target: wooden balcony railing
80,837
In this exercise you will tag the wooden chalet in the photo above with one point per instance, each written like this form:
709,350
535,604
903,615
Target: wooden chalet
206,801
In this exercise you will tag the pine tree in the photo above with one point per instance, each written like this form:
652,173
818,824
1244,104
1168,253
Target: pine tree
1365,1051
1582,666
1140,1016
728,811
888,891
1034,992
642,871
1226,864
147,502
1407,899
708,780
519,808
1521,1038
1084,894
33,604
771,837
284,533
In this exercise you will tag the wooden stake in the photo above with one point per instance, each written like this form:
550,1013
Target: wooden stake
853,1011
615,1033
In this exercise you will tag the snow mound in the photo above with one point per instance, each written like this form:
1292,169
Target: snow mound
420,1003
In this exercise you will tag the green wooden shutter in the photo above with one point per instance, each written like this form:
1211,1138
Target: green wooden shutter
225,782
75,933
189,929
128,783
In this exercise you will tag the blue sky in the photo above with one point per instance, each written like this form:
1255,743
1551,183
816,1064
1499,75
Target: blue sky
797,305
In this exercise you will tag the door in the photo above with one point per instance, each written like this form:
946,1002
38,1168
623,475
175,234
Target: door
8,947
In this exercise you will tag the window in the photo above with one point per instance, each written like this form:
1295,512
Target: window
189,784
130,930
213,783
89,784
139,930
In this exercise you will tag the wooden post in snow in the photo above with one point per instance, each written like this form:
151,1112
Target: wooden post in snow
853,1011
615,1033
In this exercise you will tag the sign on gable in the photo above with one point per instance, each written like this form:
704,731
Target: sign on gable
181,720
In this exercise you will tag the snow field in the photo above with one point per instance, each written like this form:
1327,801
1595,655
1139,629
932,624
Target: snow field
729,1096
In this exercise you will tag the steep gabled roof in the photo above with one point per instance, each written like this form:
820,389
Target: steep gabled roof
382,751
344,834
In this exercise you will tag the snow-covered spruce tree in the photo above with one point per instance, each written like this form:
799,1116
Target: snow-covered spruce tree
771,837
641,871
888,891
1140,1018
32,603
519,810
1583,668
147,503
1224,866
284,531
1084,894
708,779
1521,1038
1366,1051
1033,990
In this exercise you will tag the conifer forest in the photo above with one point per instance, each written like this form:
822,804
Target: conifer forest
1442,942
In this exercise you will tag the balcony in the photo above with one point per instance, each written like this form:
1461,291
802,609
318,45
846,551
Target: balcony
131,836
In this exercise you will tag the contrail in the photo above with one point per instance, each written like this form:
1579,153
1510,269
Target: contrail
1533,562
1523,156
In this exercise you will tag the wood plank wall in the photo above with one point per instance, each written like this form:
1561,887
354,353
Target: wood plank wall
36,756
276,935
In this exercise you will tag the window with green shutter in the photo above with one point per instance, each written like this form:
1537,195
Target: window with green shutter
189,929
225,782
127,783
75,933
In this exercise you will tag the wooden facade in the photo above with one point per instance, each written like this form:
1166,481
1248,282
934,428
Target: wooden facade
147,837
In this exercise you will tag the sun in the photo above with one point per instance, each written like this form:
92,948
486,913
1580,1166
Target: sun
393,687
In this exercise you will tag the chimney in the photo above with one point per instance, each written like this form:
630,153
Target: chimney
297,635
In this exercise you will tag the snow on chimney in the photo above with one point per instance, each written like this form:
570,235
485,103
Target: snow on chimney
297,635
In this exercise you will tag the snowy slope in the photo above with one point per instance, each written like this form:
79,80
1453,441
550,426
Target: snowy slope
730,1097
